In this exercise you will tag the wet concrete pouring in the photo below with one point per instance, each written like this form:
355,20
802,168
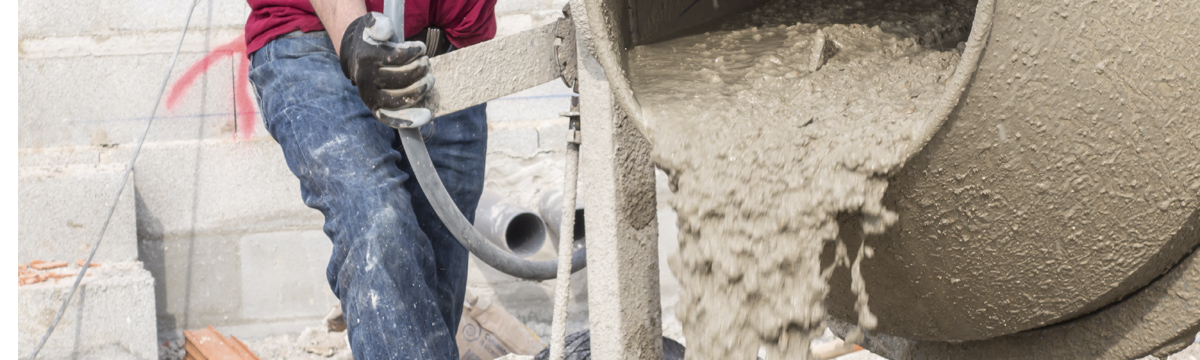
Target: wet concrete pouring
771,126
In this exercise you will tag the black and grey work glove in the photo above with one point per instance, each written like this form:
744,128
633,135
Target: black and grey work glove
390,76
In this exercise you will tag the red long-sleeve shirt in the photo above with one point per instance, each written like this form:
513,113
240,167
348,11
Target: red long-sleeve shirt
465,22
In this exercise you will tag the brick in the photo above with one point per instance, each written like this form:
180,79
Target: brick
208,343
49,265
241,348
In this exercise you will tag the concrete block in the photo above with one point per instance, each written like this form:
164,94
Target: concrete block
552,138
195,201
216,186
508,24
520,142
197,279
197,41
68,102
283,275
527,6
58,156
63,207
81,17
111,316
546,101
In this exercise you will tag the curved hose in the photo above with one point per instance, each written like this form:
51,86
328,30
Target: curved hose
467,235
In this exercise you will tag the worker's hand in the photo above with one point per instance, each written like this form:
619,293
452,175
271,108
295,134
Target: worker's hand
389,75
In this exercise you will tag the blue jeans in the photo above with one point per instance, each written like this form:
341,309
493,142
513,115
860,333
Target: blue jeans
399,273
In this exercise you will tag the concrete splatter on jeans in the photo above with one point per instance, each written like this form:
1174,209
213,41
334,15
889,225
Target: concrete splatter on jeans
400,275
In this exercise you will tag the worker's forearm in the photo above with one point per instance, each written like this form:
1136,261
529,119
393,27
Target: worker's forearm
336,15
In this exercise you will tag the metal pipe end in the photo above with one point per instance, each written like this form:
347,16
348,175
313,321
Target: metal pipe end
513,228
525,234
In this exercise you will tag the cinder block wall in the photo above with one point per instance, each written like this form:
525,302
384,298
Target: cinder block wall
219,220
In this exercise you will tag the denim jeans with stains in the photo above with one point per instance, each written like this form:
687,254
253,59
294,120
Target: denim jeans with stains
399,273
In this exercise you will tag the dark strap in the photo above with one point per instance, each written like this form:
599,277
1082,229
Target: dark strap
435,40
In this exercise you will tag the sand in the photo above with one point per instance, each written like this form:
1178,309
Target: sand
763,153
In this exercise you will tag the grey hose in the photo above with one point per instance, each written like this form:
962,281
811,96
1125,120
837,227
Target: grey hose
443,205
467,235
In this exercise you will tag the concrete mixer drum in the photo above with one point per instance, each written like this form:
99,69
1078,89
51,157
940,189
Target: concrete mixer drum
1058,203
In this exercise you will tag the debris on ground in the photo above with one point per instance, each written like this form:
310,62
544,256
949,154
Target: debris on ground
208,343
833,349
1190,353
315,342
43,265
335,321
487,331
39,270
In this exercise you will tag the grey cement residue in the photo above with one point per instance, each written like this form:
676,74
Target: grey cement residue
763,154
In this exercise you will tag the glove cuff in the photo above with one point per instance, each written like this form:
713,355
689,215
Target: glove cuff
351,40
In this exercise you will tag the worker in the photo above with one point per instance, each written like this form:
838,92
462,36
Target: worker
398,272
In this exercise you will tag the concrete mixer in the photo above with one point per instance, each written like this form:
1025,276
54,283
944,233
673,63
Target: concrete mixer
1050,209
1052,215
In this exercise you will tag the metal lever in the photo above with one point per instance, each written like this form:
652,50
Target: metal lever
439,198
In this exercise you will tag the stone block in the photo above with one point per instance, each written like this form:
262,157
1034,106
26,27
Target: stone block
519,142
508,24
62,209
553,138
197,279
527,6
111,316
81,17
216,186
545,101
69,102
283,275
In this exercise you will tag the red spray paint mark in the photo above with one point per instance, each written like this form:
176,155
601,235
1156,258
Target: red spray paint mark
244,112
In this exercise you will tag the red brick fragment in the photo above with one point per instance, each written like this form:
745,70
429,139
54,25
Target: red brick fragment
193,353
210,344
48,265
57,276
92,265
241,348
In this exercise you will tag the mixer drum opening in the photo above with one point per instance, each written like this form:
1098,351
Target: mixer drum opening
1067,178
